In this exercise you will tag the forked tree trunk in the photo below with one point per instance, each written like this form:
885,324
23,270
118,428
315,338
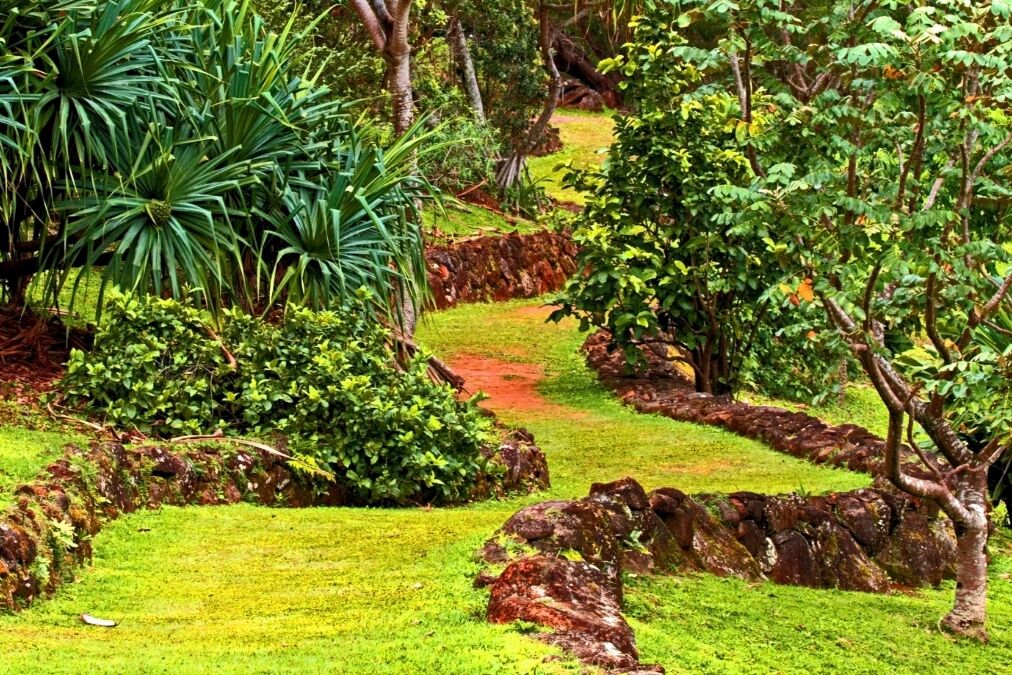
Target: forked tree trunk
960,490
513,167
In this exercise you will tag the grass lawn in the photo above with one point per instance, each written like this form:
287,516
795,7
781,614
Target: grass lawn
586,138
250,590
467,220
253,590
23,454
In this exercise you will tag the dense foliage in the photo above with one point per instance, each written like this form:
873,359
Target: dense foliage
659,264
323,381
184,144
880,139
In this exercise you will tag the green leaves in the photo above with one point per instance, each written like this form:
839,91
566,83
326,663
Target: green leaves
163,141
326,381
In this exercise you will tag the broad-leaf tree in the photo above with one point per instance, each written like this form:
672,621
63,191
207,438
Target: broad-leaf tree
878,134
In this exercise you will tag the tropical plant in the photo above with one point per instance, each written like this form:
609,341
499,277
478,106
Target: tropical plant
170,143
656,266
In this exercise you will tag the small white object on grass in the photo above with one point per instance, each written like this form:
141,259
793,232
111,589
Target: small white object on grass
95,621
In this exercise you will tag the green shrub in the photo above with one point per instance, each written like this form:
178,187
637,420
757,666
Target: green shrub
468,155
325,381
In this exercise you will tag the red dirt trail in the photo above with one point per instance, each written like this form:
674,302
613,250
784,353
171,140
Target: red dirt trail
511,386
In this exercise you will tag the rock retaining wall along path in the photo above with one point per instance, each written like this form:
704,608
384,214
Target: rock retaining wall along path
49,531
500,268
660,389
563,560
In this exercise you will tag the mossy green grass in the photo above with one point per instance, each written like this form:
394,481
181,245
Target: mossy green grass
586,138
466,220
254,590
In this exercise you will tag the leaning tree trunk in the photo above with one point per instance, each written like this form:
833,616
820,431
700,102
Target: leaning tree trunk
960,490
468,76
511,169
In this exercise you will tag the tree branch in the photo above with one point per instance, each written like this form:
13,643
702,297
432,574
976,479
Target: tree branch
372,23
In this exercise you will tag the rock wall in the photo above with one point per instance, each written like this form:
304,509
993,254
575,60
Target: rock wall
500,268
660,389
562,561
49,531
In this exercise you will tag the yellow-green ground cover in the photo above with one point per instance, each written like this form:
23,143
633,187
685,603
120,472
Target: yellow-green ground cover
585,138
248,590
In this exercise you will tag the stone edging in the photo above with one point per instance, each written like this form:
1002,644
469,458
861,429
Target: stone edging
563,560
49,531
661,391
499,268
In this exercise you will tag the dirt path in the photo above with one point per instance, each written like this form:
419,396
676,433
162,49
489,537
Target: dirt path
511,386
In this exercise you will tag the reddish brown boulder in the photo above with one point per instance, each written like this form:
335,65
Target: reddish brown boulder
574,599
843,563
795,564
920,551
524,468
867,516
583,528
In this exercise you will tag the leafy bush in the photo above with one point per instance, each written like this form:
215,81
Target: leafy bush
663,262
325,381
468,155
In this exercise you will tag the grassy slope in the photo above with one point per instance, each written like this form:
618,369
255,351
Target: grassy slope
28,442
254,590
466,220
23,454
608,440
244,589
705,624
584,136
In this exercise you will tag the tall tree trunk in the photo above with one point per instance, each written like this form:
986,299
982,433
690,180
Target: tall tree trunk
462,55
513,167
388,23
398,58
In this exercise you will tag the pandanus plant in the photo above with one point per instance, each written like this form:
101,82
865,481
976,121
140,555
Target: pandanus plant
178,147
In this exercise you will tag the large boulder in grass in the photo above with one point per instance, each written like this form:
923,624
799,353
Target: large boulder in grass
646,543
707,543
843,563
573,598
579,528
522,468
920,550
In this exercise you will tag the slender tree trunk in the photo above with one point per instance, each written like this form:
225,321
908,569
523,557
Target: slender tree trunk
388,23
514,166
462,55
969,610
398,57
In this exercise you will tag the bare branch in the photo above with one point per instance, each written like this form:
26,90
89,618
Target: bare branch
745,101
933,195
